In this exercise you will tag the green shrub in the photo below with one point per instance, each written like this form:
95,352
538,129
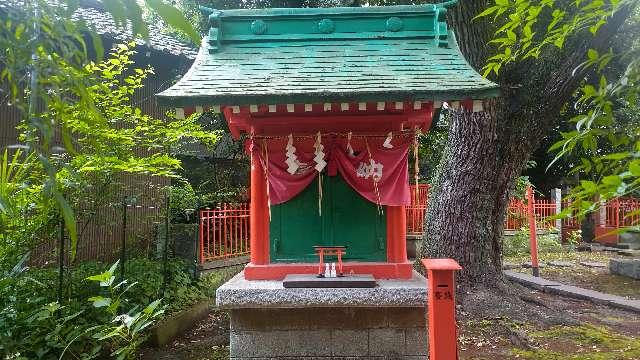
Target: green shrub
518,243
33,325
183,205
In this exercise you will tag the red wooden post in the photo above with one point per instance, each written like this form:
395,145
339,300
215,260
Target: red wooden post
201,233
396,234
259,217
533,240
443,331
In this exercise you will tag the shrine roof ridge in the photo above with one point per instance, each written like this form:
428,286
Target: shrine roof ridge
339,23
344,10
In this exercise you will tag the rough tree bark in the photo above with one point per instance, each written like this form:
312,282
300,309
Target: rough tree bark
486,152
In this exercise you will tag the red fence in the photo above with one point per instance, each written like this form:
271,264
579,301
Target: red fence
516,217
224,232
416,211
617,213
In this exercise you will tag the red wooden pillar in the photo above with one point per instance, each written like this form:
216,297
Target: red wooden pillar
259,215
533,240
443,331
396,234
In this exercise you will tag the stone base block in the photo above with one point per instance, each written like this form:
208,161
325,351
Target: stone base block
269,321
329,333
625,267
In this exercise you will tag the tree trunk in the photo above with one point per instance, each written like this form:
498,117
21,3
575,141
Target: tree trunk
588,228
485,152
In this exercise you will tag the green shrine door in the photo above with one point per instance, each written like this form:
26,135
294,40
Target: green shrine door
347,219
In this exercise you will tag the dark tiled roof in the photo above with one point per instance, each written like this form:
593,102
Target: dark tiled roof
272,56
104,25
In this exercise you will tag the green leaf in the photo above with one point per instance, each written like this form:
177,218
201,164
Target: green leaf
488,11
634,167
69,220
98,47
592,54
612,180
174,18
616,156
100,301
588,185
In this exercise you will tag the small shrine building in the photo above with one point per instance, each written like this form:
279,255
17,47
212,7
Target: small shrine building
329,101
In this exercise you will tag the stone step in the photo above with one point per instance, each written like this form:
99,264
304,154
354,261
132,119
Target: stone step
560,263
554,287
593,264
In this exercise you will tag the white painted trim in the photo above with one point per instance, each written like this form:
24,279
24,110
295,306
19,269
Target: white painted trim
417,105
272,108
216,109
437,104
362,106
235,109
308,107
179,113
199,110
327,106
253,108
477,105
344,106
290,108
380,105
399,105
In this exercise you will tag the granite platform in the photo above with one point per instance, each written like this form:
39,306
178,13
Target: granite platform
239,293
269,321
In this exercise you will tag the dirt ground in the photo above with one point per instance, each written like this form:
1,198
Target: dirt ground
600,333
587,331
208,340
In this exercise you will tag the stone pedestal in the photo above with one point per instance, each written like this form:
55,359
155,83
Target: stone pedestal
269,321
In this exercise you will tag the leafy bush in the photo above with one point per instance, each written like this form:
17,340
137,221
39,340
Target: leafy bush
33,325
183,204
519,242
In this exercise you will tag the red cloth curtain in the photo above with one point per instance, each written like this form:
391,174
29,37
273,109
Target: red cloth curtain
377,173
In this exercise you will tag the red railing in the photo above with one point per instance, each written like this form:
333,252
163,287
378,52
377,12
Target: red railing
628,211
224,232
517,214
416,211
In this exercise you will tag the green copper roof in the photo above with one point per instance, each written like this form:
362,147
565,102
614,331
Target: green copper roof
268,56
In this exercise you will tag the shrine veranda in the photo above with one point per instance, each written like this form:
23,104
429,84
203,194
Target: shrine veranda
328,102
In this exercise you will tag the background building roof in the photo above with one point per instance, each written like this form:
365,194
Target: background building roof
102,23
